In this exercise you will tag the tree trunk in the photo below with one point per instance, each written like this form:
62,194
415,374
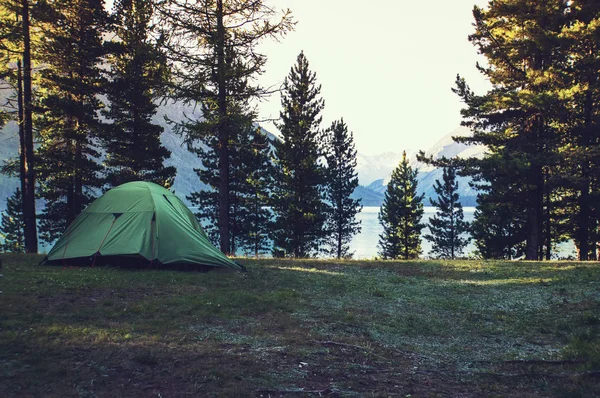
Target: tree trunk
534,217
31,243
583,219
223,134
548,253
21,134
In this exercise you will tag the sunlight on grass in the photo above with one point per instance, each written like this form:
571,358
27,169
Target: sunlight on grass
90,334
310,270
324,324
522,281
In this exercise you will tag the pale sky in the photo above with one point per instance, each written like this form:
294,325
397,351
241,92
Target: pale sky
386,66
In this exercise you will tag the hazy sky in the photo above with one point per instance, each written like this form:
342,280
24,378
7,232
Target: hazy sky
386,66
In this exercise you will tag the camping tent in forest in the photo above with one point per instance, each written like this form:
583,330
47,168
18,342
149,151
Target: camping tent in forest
138,220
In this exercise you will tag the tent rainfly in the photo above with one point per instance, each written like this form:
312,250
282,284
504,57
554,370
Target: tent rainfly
143,220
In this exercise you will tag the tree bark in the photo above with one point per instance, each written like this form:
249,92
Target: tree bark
583,219
534,217
31,242
21,133
223,134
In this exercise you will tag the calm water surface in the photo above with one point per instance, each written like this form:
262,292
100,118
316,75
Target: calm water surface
364,244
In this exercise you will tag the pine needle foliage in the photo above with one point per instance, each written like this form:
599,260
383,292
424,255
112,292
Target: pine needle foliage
68,117
447,226
12,225
341,181
138,77
250,178
213,46
401,214
298,203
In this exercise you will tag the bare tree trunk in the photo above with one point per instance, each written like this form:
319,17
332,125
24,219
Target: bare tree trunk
548,253
31,242
583,219
534,218
223,132
21,133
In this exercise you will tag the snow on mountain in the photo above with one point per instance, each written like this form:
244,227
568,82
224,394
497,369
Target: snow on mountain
380,171
448,148
373,171
371,168
186,180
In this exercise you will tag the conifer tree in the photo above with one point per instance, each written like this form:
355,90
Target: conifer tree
401,214
258,181
15,45
250,182
68,121
298,196
13,224
447,226
341,181
213,44
580,121
138,73
516,117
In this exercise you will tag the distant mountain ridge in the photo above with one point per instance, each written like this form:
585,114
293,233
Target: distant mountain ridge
381,166
373,170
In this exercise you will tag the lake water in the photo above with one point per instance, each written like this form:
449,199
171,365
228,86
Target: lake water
364,244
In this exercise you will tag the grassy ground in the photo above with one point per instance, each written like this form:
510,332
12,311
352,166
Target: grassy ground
300,328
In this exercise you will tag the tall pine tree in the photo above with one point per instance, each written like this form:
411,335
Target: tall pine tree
298,196
250,182
516,118
69,122
581,144
447,226
138,77
401,214
12,225
16,37
258,181
341,181
213,44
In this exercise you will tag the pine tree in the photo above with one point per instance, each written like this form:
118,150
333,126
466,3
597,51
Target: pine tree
250,178
258,181
499,228
213,44
516,118
298,196
13,224
138,79
15,32
581,144
68,121
401,214
447,226
341,181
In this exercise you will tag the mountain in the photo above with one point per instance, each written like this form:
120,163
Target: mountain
374,167
373,171
380,167
9,148
185,161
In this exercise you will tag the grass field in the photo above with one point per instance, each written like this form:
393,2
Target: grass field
301,328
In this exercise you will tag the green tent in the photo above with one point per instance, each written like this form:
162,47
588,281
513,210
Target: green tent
138,220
